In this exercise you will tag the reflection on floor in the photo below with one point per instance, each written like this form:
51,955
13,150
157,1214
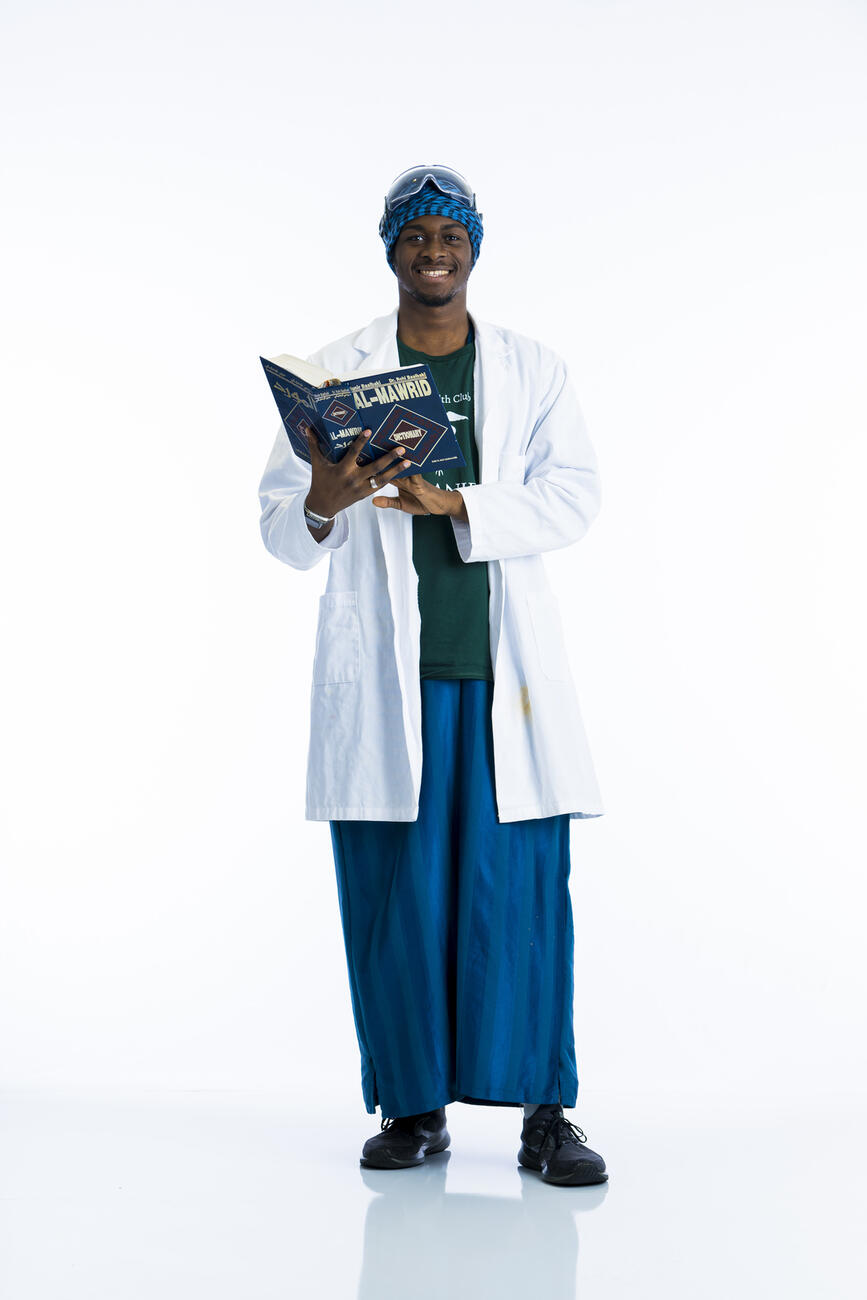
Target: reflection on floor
488,1245
240,1196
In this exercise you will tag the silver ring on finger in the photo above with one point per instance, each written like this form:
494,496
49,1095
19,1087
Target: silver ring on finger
373,483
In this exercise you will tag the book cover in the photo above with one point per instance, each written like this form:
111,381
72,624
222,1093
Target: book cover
402,407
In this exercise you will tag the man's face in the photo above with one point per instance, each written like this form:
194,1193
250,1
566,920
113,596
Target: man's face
433,258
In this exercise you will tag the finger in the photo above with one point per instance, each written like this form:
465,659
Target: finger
416,483
385,475
391,471
385,460
356,447
313,444
407,504
428,495
382,470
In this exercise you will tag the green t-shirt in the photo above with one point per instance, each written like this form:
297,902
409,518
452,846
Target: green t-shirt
452,596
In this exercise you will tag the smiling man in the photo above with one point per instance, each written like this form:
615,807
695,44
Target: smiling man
447,749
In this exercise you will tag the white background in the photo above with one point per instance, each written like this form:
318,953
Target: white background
674,199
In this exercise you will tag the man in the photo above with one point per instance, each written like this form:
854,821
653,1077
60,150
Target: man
447,749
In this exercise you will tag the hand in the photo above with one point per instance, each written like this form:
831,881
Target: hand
419,497
334,486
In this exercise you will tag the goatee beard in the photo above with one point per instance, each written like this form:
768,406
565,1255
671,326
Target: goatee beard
428,300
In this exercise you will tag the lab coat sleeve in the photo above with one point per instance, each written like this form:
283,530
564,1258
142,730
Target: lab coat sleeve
282,492
558,498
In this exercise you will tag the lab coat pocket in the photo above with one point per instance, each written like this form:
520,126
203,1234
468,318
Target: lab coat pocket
338,639
548,634
512,467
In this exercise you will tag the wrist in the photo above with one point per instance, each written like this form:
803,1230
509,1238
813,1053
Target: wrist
314,507
317,532
457,506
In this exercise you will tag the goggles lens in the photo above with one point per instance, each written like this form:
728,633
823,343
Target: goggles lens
446,179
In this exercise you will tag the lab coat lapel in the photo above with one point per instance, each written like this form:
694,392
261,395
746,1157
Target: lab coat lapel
492,360
378,341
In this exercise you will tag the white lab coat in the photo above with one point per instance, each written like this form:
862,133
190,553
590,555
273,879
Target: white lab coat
538,490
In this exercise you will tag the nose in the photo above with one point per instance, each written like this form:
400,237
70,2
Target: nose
436,249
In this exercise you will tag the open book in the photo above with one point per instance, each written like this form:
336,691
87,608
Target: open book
401,406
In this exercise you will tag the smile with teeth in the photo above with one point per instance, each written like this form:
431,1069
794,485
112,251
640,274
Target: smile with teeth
433,274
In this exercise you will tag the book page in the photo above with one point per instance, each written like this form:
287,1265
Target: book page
317,376
305,370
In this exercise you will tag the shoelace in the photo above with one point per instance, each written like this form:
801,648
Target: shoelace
391,1122
556,1126
388,1121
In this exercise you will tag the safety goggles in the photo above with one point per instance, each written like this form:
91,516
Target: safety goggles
410,182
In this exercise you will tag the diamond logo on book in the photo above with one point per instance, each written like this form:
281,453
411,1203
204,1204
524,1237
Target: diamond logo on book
339,412
405,428
296,420
407,434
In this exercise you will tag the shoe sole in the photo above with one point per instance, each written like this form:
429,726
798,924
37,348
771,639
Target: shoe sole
382,1161
585,1177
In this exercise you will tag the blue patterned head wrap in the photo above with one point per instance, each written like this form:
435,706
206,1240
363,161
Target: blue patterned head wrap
431,201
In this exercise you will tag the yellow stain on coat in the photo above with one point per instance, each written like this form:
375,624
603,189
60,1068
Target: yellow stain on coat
525,701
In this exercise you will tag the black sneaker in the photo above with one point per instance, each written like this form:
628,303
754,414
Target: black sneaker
406,1140
554,1147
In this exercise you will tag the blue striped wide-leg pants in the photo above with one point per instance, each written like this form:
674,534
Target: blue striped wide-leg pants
458,932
